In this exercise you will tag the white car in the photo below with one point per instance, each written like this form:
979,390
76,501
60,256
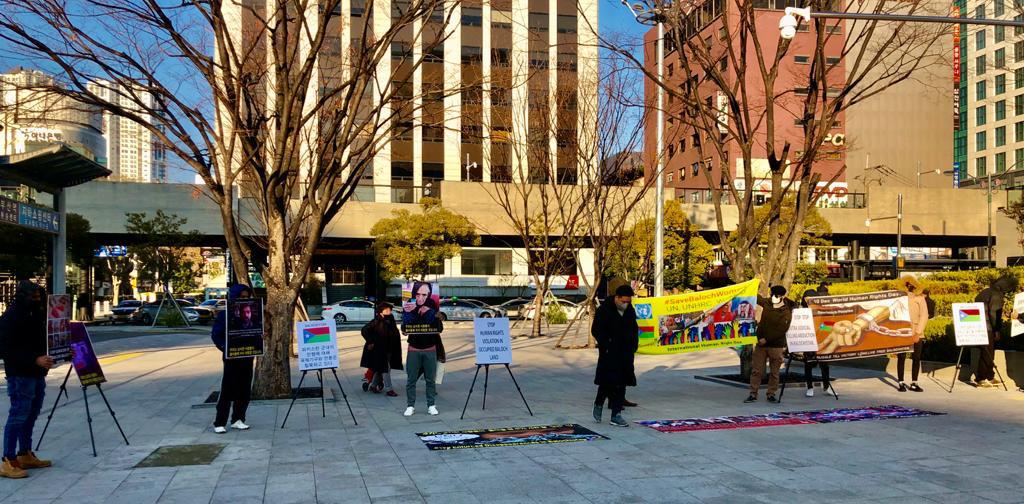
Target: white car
568,307
349,311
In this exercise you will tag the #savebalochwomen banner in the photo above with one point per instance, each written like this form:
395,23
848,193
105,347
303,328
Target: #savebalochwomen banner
861,325
698,321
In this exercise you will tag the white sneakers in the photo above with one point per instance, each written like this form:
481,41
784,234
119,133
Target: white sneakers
240,425
219,430
432,410
409,411
810,392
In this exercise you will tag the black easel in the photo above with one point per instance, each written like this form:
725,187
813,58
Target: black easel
88,415
323,407
825,383
956,371
487,374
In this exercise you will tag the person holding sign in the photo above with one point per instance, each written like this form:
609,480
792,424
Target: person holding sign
617,335
423,328
918,320
810,357
774,316
382,351
993,299
236,383
23,330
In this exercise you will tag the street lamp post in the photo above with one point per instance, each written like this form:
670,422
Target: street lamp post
937,171
648,14
897,261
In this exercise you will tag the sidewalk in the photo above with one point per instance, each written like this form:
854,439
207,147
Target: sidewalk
971,454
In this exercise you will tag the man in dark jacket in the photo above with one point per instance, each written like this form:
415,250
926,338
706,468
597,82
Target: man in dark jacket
993,298
23,334
617,336
773,317
236,383
382,351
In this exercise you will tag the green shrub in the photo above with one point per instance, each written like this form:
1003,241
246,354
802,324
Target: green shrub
810,273
555,314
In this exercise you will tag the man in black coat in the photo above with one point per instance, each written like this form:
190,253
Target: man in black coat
382,351
617,336
993,298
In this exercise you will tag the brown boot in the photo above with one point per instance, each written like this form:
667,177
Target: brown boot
11,469
29,460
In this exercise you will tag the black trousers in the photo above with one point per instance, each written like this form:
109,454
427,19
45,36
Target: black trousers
915,357
809,375
235,391
615,394
986,361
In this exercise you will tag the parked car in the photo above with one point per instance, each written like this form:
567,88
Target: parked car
145,313
462,309
215,304
499,312
124,310
513,308
353,310
568,307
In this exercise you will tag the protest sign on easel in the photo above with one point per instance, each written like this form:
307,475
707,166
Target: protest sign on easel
493,346
318,350
1016,326
970,328
87,367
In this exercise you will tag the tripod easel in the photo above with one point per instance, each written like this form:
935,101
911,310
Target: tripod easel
487,374
323,407
956,371
88,415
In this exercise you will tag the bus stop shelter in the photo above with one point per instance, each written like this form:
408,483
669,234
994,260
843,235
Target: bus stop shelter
51,170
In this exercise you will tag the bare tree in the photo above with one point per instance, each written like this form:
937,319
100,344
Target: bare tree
285,103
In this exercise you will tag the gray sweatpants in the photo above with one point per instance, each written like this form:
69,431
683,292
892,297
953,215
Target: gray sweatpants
416,363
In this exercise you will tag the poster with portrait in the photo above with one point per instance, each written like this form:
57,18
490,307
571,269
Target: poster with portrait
58,316
421,304
244,328
87,366
861,325
318,344
697,321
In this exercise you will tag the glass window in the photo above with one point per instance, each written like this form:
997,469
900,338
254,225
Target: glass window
1018,78
1000,8
1000,136
979,65
979,12
1000,58
472,16
1018,132
501,20
539,21
980,139
1018,30
979,167
980,116
1000,33
1000,110
803,60
501,57
979,90
486,262
1018,51
1018,159
1000,162
1000,84
979,39
566,24
472,54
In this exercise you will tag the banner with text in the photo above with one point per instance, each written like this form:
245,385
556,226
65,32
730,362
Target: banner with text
493,344
318,344
969,326
861,325
698,321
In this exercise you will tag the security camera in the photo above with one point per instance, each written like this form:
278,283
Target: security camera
788,23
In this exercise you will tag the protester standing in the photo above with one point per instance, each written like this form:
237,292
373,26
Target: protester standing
382,351
236,383
23,335
617,335
993,297
424,352
810,357
918,321
773,318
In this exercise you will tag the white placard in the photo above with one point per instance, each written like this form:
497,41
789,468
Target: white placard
493,344
1016,327
969,324
318,344
801,337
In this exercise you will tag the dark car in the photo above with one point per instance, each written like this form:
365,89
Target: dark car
124,310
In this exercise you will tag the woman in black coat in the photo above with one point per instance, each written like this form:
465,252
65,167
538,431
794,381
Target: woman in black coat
617,335
382,351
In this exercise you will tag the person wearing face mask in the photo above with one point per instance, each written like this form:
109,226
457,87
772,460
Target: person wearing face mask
236,382
773,318
617,335
918,321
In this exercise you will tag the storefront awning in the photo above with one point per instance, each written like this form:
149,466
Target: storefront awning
50,169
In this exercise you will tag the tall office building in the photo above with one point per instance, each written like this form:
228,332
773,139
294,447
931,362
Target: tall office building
133,153
503,66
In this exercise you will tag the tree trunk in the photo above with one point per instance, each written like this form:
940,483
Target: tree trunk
273,371
115,282
538,313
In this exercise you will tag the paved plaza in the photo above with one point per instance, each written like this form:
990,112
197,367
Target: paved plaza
972,454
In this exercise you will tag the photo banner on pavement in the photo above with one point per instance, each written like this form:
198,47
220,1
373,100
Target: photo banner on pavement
493,344
801,336
244,328
87,366
318,344
969,325
697,321
1016,326
58,317
861,325
421,304
511,436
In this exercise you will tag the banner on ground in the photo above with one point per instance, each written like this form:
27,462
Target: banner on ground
87,366
318,344
421,304
512,436
244,328
493,344
58,317
969,325
698,321
801,336
1016,326
861,325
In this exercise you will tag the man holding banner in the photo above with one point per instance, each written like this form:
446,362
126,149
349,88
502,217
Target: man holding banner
616,331
236,383
774,316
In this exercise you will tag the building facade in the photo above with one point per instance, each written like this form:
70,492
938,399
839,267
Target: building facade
133,153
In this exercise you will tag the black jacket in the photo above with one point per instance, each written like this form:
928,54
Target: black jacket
993,298
617,340
774,322
382,351
23,337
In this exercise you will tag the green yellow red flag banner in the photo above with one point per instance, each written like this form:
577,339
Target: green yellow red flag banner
697,321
